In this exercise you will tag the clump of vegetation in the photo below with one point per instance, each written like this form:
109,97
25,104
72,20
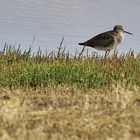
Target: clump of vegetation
25,69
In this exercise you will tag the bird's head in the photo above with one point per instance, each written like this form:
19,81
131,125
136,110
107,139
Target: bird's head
119,29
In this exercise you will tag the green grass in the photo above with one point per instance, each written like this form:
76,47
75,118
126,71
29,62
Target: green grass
24,69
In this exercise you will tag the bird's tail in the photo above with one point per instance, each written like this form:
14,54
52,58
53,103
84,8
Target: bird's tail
83,43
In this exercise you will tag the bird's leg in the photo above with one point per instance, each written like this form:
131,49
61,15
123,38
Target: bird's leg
105,57
83,49
106,54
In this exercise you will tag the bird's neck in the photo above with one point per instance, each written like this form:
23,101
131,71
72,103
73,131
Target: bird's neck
120,37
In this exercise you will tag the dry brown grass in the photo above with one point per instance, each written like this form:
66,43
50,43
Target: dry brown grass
65,112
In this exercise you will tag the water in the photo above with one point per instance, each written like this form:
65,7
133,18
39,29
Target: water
76,20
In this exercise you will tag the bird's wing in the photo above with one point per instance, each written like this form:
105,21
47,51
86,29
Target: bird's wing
103,39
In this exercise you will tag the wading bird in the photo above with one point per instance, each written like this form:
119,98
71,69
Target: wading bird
108,40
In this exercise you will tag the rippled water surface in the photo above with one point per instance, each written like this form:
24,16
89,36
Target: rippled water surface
76,20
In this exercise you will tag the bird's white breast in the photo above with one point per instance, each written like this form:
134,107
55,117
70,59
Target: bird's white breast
122,36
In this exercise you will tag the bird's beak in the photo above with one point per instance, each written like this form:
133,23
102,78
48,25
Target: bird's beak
127,32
